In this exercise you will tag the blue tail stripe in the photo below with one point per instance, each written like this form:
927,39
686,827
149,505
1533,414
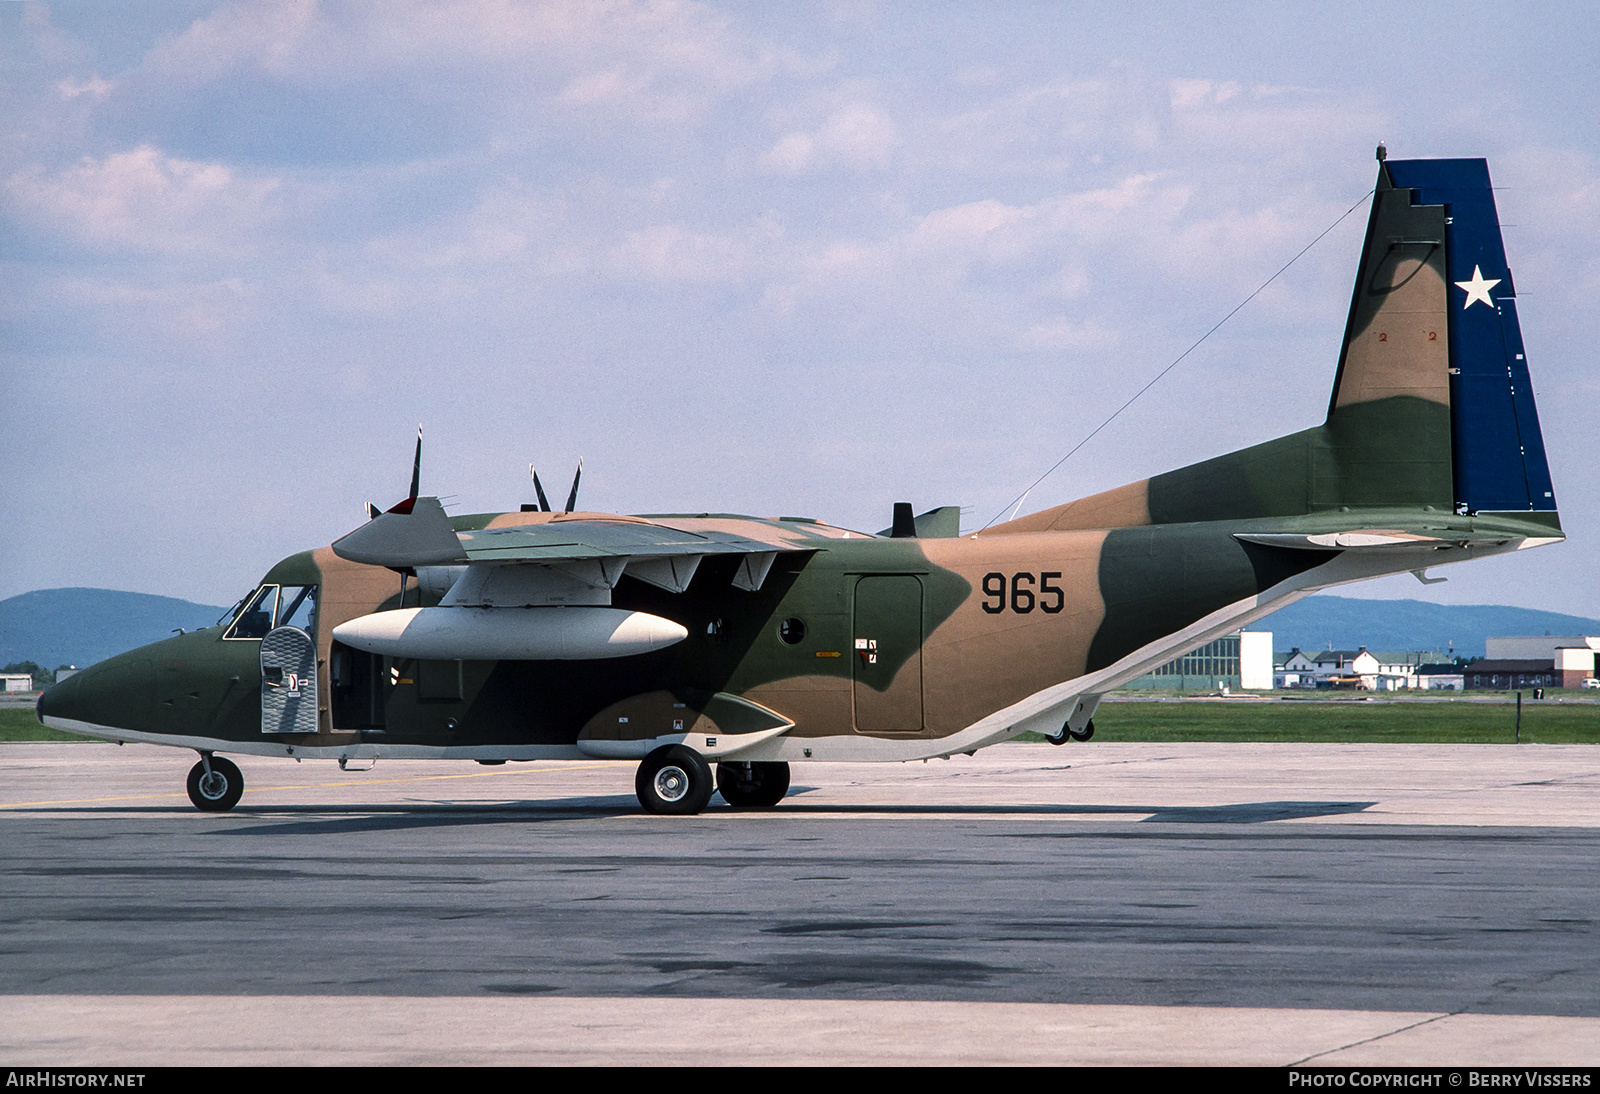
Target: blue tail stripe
1498,452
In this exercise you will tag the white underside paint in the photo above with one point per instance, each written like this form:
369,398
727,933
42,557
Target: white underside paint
713,746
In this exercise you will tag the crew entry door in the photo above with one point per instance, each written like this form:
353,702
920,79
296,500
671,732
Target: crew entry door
289,664
886,654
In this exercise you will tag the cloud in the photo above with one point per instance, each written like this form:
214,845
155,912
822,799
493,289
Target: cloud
143,200
1063,333
856,136
637,61
93,86
1192,93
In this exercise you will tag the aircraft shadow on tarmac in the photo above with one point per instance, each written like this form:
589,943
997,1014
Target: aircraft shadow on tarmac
398,815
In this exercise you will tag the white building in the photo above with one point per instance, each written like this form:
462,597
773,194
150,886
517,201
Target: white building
1349,668
1255,660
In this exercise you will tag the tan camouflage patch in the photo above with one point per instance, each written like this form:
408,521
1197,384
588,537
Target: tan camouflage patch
519,520
980,661
1404,349
1125,507
819,706
349,591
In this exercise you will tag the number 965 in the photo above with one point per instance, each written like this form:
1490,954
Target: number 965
1019,593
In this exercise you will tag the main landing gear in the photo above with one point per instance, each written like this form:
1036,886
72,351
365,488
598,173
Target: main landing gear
752,782
1068,733
676,780
215,784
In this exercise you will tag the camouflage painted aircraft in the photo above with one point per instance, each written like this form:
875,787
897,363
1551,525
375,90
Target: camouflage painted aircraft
685,641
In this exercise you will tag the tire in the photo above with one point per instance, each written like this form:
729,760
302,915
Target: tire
221,791
1069,734
674,781
755,783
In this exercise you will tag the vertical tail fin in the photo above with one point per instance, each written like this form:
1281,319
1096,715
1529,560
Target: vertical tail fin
1497,450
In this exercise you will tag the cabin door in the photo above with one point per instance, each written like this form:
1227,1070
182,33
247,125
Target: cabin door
288,681
886,654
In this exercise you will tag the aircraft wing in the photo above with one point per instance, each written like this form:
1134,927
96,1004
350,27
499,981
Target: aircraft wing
603,538
664,550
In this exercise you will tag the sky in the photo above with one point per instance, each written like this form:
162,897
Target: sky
784,259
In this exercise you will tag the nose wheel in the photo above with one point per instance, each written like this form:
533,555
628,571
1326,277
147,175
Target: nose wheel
674,780
215,784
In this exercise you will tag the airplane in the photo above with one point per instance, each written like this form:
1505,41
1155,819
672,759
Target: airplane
683,642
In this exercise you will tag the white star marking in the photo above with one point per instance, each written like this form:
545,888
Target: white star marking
1477,288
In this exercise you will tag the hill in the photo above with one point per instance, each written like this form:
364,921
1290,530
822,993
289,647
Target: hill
81,626
1348,623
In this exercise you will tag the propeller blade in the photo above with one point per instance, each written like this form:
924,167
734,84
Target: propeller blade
405,506
572,498
538,489
416,465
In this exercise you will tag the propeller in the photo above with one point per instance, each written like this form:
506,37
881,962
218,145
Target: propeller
543,505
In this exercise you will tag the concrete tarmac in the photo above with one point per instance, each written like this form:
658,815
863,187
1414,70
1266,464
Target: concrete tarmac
1099,903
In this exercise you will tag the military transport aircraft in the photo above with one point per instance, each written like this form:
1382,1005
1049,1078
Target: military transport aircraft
686,640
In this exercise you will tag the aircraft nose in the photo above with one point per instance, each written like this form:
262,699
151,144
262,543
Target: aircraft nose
116,692
59,700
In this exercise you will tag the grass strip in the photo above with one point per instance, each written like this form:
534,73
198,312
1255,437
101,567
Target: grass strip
1449,722
20,724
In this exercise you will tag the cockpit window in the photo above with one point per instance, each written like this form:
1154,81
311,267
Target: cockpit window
274,605
233,612
297,607
256,618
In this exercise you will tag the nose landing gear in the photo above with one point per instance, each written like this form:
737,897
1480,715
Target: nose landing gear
215,784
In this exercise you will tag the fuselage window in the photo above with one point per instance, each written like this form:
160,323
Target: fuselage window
256,619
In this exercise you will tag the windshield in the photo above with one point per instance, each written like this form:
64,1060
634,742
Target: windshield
275,606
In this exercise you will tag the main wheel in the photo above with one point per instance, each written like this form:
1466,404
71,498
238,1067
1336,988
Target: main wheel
1069,734
753,783
674,779
218,791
